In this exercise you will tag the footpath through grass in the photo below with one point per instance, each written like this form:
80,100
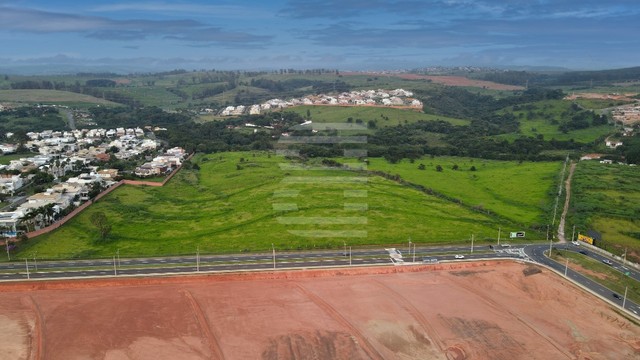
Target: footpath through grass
245,202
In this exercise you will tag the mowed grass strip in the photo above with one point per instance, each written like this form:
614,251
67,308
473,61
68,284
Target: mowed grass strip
513,190
221,209
600,273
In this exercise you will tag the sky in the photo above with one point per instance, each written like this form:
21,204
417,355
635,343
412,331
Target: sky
134,35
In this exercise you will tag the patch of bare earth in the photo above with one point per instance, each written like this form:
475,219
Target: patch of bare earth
484,310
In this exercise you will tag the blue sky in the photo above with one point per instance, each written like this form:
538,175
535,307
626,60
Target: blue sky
342,34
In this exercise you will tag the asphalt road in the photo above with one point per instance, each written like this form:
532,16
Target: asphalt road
536,253
39,269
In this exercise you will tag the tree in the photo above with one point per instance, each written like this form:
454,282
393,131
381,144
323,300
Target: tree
472,168
421,167
455,167
100,221
438,168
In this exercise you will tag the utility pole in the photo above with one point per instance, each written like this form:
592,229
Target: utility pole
6,243
345,248
26,264
115,269
624,300
409,245
573,233
566,266
499,235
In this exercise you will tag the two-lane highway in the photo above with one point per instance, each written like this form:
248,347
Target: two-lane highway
536,253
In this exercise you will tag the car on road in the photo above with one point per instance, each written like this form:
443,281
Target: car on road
607,261
428,260
583,252
575,243
459,256
617,296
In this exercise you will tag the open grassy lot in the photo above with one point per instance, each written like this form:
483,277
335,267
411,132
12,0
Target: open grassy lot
6,159
50,97
232,206
516,191
382,116
606,198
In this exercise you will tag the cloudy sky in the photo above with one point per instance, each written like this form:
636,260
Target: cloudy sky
342,34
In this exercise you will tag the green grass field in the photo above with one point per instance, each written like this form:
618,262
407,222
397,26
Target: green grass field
50,97
515,191
6,159
223,209
606,198
340,114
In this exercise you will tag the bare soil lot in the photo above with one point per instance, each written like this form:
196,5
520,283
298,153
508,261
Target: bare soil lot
484,310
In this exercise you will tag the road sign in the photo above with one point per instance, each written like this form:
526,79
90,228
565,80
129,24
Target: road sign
517,234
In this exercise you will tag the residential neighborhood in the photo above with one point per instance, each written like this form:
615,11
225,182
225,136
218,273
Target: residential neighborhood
391,98
75,162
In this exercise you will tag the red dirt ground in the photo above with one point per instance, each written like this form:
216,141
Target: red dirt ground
483,310
449,80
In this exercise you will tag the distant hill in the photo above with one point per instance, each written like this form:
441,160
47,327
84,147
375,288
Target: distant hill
599,77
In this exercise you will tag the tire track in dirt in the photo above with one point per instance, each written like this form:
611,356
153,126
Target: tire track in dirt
38,333
416,314
565,210
203,322
335,314
496,306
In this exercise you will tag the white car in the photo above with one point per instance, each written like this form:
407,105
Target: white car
459,256
575,243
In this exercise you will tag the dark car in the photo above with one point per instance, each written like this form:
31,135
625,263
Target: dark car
583,252
617,296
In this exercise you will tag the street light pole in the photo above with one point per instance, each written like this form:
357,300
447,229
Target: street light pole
26,264
115,269
409,245
274,255
472,243
6,243
573,233
345,248
499,235
414,252
624,300
566,266
349,255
